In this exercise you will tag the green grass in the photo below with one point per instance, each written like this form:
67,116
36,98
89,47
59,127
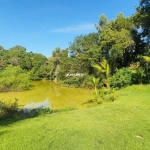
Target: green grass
121,125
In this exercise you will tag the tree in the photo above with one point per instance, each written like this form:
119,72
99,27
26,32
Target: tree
56,55
2,63
51,67
2,60
39,67
103,22
116,41
16,55
142,19
25,61
86,51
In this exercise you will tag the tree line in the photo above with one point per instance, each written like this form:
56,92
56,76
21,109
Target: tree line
121,43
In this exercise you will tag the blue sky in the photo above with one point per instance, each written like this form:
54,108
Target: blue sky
43,25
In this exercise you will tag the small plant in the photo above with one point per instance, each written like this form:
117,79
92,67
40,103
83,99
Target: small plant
95,84
113,93
99,93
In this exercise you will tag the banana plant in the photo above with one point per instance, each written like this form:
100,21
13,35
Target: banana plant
95,83
104,68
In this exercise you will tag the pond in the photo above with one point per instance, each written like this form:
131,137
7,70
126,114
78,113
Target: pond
58,96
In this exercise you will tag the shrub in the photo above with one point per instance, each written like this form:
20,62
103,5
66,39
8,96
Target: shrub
73,81
139,75
37,112
87,82
8,110
121,78
11,110
13,78
84,81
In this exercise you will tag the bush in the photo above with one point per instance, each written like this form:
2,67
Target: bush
37,112
11,110
84,81
8,110
13,78
139,75
121,78
88,81
73,81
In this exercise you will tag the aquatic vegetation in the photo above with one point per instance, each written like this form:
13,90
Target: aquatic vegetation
58,96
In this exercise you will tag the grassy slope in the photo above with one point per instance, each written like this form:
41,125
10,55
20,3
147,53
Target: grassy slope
110,126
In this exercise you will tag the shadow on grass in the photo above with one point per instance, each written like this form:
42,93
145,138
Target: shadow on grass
91,101
10,112
7,120
3,132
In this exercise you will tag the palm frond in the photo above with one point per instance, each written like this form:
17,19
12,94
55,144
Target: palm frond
147,58
103,63
99,68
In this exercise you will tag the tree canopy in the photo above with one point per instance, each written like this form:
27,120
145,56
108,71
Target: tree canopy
121,42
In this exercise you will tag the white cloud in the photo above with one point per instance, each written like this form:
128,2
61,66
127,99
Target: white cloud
87,27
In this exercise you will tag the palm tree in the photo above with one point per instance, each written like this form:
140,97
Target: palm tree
104,68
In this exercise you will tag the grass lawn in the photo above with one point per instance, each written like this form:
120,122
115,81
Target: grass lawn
120,125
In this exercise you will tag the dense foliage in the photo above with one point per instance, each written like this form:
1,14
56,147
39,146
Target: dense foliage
121,42
35,64
121,78
13,78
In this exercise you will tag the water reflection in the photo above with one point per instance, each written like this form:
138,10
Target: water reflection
58,96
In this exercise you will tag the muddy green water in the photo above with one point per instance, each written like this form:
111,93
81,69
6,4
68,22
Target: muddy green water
59,97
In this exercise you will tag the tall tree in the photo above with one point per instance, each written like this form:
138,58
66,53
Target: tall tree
142,20
103,22
56,55
116,41
86,50
3,61
39,67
